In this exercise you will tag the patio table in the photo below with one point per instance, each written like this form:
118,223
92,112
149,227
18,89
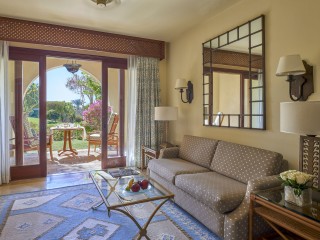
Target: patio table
67,139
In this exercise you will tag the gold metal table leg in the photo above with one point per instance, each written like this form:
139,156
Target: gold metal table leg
142,230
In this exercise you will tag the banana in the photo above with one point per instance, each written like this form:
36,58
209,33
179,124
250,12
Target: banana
130,183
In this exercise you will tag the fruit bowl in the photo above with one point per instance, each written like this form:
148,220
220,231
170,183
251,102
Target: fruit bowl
136,187
124,191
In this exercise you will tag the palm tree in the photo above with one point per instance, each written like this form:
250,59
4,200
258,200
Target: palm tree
78,105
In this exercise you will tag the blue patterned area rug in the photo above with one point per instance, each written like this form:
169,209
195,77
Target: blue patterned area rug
66,213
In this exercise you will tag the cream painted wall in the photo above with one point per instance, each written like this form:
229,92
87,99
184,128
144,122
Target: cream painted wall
291,27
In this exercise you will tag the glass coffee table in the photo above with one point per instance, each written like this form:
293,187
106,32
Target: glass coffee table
111,185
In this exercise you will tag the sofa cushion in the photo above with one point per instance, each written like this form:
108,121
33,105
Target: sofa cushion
243,163
198,150
216,191
170,168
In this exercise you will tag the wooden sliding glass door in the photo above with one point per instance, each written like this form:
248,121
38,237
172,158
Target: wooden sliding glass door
113,98
27,79
29,140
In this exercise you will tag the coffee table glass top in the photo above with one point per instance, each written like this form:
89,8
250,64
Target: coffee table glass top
114,188
276,196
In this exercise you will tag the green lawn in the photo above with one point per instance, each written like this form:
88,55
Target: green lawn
77,144
57,145
34,123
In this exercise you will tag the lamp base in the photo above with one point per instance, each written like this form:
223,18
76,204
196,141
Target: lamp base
166,145
309,158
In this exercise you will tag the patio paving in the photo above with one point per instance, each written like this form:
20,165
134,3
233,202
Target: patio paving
66,163
69,163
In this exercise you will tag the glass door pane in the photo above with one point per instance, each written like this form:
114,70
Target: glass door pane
24,112
113,112
113,116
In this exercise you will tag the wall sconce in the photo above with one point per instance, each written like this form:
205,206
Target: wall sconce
300,76
182,84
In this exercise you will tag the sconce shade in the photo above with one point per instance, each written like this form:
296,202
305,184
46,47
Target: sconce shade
165,113
300,117
181,84
290,65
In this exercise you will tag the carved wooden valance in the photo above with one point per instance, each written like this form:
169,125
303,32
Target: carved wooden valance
48,34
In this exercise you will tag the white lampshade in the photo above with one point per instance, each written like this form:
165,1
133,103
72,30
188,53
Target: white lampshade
181,83
290,65
165,113
300,117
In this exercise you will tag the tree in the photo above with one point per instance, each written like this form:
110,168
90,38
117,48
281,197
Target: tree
65,110
31,99
92,116
53,115
85,86
69,113
57,106
77,103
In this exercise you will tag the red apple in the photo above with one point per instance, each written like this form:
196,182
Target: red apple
135,187
144,184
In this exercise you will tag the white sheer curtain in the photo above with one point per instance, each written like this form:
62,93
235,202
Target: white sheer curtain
132,106
4,115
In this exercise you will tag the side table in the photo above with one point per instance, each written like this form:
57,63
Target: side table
279,214
147,153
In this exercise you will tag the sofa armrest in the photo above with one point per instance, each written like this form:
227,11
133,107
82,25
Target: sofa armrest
172,152
263,183
236,222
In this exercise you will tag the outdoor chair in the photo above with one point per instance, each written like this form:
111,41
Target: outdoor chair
113,140
30,137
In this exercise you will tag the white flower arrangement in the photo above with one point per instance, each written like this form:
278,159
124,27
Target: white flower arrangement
295,179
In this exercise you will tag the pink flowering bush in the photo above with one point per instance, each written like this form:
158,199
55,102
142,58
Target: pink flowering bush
92,116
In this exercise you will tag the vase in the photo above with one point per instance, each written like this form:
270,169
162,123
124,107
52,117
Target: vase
304,199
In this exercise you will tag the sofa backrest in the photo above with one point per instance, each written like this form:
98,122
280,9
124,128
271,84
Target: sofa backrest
243,163
198,150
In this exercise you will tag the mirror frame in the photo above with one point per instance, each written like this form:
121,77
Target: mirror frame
208,51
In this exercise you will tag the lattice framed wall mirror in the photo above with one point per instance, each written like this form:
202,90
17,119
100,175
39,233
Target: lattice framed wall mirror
234,78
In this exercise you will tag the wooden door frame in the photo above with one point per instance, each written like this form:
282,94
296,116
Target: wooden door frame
21,171
26,54
117,161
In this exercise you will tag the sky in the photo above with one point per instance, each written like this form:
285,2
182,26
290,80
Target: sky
56,85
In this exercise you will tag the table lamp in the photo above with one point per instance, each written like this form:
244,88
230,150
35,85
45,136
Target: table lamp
304,118
166,114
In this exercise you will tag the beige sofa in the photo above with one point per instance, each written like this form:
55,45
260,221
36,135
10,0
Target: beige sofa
212,180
